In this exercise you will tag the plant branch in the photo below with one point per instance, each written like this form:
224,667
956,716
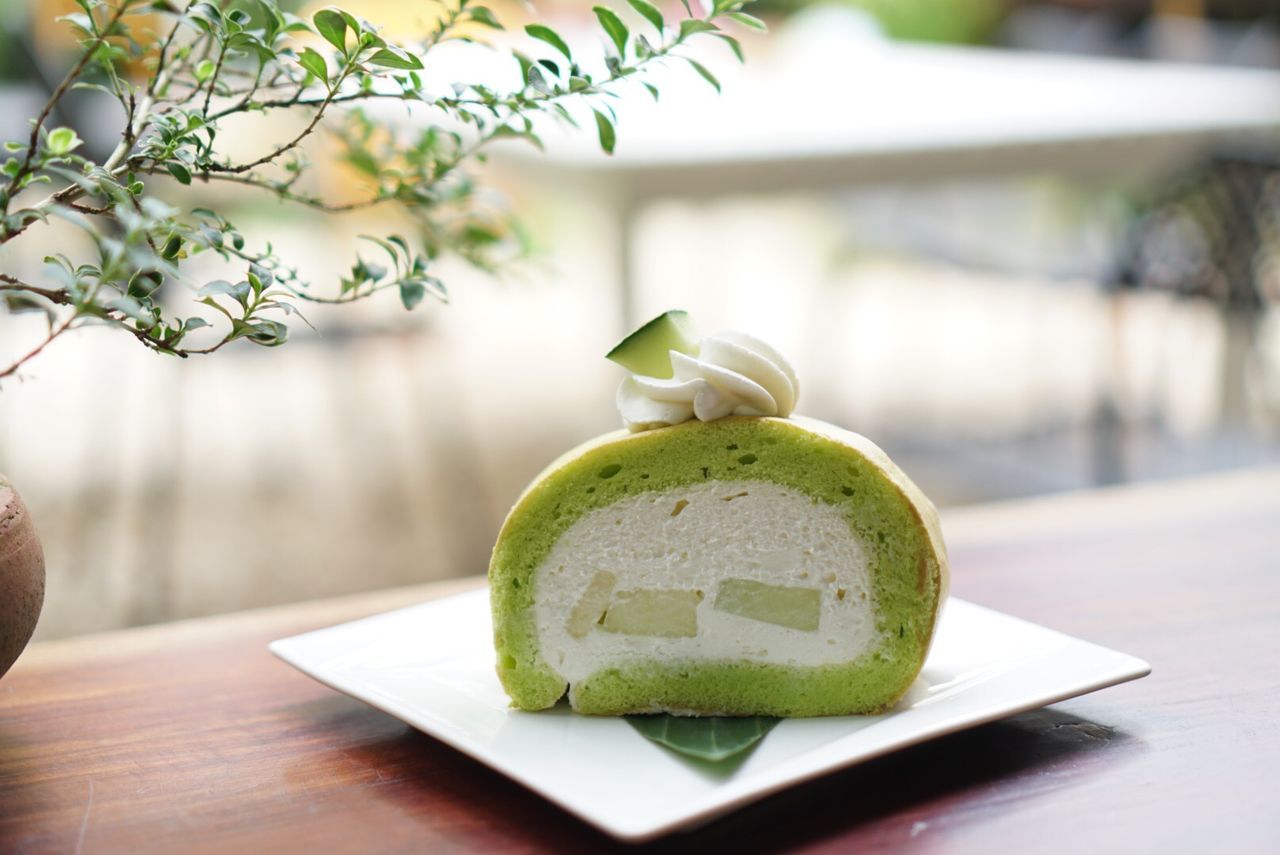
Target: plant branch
293,143
248,94
350,297
154,84
282,191
297,101
213,78
32,354
144,235
24,169
10,283
162,347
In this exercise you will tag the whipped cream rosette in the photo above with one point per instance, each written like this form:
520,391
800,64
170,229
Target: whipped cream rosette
733,374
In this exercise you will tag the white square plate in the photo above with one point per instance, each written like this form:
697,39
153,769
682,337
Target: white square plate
432,667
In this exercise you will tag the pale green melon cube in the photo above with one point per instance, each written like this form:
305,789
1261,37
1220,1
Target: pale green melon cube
590,607
781,605
667,614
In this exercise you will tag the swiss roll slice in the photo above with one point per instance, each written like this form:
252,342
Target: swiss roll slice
742,566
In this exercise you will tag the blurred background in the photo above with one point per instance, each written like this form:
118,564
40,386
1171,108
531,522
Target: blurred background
1025,246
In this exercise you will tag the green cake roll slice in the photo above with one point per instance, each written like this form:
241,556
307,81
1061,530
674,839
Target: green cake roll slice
744,566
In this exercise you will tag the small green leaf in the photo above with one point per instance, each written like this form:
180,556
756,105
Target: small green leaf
525,65
213,304
264,276
689,26
364,161
702,70
550,36
131,307
391,57
96,87
565,115
482,15
613,25
749,21
369,270
332,27
205,69
269,333
239,292
314,63
734,45
704,738
17,303
265,333
653,90
533,78
608,137
352,23
650,13
411,293
83,23
63,141
180,172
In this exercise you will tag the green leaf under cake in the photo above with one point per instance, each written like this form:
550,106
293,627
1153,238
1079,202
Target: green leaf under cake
713,738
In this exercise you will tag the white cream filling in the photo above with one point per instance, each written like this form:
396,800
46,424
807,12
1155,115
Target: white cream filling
723,530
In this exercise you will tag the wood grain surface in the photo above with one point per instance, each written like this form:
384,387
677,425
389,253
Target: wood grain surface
191,737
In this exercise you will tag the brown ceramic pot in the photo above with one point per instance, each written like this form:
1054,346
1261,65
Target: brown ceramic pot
21,576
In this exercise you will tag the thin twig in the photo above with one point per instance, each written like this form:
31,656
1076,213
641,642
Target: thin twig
280,190
89,209
335,301
248,94
154,84
297,101
53,333
293,143
10,283
213,78
160,346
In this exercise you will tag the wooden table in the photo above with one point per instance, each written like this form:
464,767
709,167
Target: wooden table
192,737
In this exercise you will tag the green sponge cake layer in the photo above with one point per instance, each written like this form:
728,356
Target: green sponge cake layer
745,566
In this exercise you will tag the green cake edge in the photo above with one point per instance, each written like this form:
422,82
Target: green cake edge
893,519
